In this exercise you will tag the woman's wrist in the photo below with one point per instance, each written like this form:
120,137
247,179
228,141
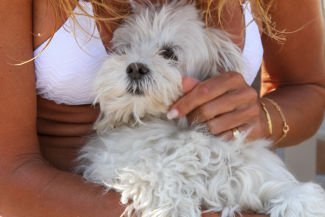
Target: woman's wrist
277,119
266,121
285,128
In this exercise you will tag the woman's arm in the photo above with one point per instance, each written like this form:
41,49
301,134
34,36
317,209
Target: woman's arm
293,75
294,71
29,186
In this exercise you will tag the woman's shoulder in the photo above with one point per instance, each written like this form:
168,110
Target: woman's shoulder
46,20
300,59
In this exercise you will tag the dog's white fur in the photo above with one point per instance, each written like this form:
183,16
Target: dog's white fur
164,166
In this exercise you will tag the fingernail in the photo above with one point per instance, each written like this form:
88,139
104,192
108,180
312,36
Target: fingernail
172,114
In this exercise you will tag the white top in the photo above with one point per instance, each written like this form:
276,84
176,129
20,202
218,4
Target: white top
65,70
253,48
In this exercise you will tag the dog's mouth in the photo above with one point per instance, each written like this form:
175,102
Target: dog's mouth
139,79
135,90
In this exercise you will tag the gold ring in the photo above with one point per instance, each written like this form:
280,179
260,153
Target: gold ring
235,133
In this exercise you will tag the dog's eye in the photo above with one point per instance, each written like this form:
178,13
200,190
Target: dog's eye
168,54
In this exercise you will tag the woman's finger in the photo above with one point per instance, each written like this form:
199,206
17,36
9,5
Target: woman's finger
223,104
206,91
189,83
211,214
254,132
230,120
229,134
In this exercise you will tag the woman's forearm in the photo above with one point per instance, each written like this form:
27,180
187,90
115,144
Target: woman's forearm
37,189
303,108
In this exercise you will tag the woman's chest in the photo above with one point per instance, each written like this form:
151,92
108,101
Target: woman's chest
47,21
73,51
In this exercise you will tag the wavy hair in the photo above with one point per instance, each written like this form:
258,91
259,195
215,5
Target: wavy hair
120,9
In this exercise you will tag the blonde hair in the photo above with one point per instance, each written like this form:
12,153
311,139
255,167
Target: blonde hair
263,14
120,9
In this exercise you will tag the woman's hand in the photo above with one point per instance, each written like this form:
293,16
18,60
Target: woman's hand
223,102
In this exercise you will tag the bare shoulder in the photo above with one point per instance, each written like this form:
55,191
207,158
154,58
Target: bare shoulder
297,13
300,60
17,83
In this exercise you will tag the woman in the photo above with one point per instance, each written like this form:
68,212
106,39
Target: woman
40,139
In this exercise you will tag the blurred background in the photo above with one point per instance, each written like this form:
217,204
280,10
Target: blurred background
306,160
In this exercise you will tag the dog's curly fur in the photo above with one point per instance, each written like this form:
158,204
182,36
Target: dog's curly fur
164,166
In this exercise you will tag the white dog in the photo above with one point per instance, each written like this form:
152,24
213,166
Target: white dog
165,167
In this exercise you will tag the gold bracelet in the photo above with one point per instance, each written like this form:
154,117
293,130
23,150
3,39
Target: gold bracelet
269,122
285,128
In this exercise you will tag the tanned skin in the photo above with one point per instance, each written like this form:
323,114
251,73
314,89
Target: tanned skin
40,139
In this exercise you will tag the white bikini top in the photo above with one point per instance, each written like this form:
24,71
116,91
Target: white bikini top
65,70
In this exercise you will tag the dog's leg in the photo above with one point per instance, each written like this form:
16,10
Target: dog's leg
279,192
249,177
296,200
282,195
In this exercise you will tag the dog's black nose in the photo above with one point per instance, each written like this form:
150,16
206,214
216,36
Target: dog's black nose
136,70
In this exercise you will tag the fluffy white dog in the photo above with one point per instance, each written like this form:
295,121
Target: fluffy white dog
166,167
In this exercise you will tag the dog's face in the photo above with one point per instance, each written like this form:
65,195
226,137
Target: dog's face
153,50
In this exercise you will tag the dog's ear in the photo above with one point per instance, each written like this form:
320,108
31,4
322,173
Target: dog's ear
138,5
134,5
224,55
